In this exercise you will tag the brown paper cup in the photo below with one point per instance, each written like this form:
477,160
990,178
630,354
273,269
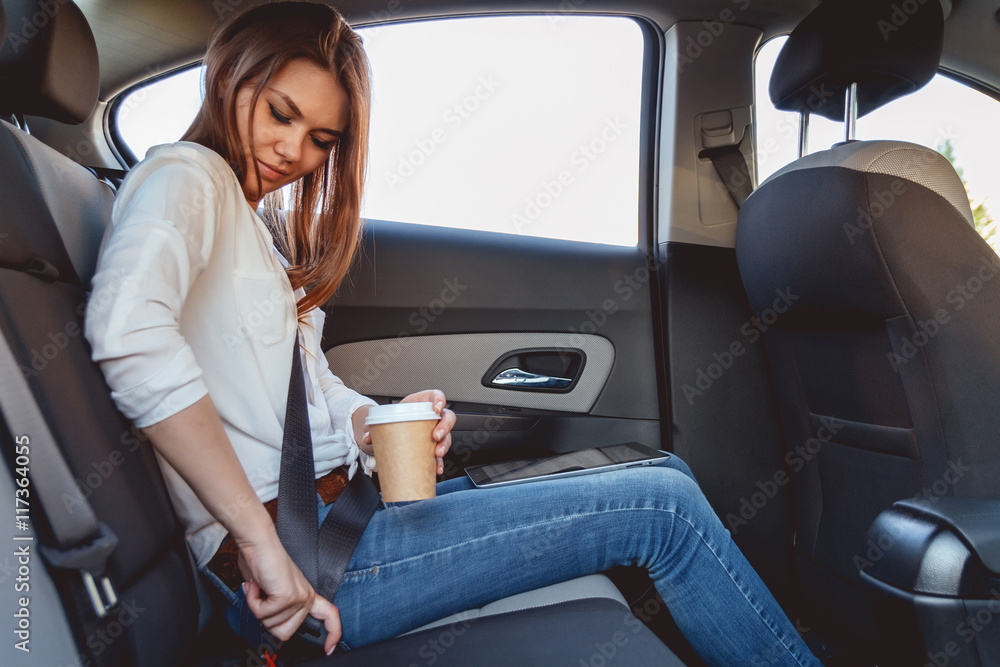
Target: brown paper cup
405,460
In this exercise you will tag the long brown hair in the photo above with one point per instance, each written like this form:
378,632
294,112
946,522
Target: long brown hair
319,233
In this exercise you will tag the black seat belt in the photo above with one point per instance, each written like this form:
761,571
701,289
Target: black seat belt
82,543
732,168
298,513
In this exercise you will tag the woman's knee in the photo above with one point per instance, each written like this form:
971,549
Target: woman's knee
675,491
677,463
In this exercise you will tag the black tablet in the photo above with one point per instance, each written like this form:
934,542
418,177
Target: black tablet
582,462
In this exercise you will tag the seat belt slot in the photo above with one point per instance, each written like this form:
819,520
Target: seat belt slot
720,135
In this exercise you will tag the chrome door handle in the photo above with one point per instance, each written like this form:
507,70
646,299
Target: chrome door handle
518,378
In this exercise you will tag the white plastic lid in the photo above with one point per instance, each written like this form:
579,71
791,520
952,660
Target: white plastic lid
401,412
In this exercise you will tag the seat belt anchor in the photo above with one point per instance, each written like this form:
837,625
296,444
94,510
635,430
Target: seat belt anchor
89,560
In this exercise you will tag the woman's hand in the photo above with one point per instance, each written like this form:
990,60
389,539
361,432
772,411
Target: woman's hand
279,594
442,431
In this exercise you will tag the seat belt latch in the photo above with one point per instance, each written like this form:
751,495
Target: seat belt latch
89,560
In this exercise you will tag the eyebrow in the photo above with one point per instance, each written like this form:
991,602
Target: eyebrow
295,110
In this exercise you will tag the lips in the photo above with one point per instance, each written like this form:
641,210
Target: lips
269,172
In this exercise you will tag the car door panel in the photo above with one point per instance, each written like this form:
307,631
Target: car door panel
428,307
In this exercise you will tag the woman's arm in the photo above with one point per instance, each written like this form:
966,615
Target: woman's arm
194,442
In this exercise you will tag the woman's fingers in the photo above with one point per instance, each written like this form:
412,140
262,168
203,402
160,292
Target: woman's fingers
278,618
271,611
325,611
442,432
433,396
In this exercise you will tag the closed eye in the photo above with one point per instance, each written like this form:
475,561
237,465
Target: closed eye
323,145
278,116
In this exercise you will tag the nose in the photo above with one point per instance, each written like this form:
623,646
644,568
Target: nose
288,147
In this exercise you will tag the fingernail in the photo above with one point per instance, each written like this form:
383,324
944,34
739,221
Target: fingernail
440,405
439,435
244,587
331,649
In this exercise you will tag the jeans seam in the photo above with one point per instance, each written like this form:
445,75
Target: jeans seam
739,587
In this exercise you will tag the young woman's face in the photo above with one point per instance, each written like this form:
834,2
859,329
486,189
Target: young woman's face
301,114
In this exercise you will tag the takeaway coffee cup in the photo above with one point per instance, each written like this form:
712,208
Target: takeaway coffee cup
404,450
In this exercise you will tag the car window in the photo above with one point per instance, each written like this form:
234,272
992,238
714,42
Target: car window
945,115
160,111
518,124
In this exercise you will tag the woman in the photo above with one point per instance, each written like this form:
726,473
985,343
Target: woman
195,343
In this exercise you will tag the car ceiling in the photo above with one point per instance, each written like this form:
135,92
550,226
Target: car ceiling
140,38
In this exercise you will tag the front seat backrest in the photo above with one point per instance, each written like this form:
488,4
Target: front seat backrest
887,363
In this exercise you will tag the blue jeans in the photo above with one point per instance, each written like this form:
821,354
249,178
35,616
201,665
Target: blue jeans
420,561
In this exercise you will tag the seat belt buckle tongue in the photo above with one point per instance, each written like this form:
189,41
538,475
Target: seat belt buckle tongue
101,604
90,560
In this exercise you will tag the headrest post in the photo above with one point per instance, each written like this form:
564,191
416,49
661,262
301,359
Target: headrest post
803,132
851,111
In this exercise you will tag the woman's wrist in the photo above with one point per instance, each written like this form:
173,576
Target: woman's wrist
358,422
253,524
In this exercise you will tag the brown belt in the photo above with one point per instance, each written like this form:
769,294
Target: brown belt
224,563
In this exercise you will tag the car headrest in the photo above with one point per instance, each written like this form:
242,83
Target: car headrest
48,61
890,48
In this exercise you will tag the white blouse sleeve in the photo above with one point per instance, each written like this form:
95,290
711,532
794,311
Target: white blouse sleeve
163,226
342,402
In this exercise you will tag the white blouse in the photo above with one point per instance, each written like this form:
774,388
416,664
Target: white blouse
190,298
